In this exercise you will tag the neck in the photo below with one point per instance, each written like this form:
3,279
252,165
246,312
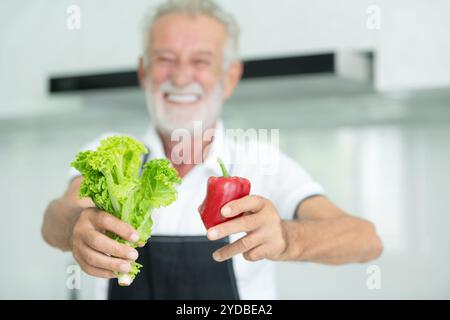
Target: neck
197,147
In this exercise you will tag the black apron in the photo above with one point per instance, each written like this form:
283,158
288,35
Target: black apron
179,267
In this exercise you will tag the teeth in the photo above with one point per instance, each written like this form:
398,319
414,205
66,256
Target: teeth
182,98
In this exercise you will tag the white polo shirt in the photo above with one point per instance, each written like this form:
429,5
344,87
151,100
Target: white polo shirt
282,181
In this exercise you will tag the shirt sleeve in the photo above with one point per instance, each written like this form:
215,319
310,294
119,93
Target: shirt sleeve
292,185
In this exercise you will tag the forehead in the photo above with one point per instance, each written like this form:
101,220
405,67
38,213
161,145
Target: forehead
180,32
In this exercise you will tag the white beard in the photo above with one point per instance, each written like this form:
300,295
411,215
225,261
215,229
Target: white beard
168,118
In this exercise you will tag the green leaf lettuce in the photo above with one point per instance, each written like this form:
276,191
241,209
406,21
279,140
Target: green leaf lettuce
113,181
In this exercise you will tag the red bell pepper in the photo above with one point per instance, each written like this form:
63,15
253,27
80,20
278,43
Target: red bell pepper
220,191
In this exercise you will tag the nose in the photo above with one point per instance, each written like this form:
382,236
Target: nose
181,75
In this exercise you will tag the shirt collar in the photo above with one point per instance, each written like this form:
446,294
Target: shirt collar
153,142
219,148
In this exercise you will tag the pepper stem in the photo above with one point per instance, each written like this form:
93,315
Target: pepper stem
222,167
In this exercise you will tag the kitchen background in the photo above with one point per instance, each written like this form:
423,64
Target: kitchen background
375,132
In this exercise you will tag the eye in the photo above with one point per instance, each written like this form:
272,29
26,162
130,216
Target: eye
163,59
201,62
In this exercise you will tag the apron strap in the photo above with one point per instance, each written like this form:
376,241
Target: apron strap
145,159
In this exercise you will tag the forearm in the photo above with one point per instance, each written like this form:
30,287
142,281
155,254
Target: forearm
58,223
336,240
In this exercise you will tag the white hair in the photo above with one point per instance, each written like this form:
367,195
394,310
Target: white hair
194,8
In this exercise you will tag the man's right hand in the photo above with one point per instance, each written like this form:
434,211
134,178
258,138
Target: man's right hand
96,253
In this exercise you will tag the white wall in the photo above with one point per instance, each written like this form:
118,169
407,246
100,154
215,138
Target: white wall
414,45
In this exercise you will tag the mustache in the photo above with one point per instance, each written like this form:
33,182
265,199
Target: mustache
192,88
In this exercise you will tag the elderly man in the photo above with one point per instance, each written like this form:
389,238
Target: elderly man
189,66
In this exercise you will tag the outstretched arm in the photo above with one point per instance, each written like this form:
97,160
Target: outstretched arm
322,233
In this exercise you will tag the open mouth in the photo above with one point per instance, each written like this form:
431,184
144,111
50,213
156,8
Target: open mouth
181,98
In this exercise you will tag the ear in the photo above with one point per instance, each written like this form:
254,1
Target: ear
141,72
232,77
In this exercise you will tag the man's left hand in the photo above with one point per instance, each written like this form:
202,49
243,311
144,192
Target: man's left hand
266,235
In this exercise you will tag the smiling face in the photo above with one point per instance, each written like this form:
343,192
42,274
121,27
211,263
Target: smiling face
185,80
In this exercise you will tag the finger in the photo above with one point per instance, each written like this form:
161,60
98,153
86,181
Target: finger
108,222
100,260
100,242
94,271
99,273
250,203
255,254
244,244
246,223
